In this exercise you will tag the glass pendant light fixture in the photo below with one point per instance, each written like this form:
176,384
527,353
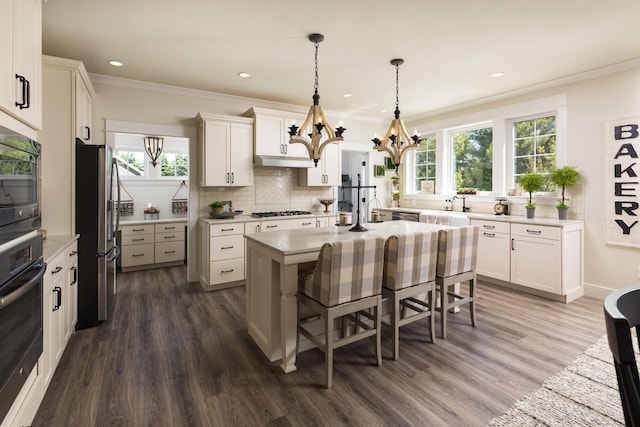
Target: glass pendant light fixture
396,142
153,146
320,127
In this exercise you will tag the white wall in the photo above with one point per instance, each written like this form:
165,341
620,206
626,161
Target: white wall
589,105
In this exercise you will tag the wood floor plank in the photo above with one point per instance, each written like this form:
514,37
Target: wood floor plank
174,355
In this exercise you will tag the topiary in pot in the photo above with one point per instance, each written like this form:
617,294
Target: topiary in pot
531,182
565,177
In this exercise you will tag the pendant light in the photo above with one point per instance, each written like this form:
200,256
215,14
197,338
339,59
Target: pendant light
153,146
320,127
396,142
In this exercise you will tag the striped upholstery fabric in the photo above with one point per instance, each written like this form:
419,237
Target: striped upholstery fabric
410,259
457,250
346,271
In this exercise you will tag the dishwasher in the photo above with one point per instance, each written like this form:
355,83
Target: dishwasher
406,216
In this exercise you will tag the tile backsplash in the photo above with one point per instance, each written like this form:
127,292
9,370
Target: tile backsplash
274,189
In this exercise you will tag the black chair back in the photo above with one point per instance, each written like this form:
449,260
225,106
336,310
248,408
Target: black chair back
622,313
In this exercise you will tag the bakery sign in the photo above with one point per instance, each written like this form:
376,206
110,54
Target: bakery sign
623,170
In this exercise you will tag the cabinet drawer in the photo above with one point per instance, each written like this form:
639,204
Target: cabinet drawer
129,230
137,239
542,231
169,251
226,229
170,237
491,226
226,271
170,227
226,247
137,255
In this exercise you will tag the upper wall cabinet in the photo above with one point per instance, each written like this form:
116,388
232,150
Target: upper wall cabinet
272,133
21,60
226,150
328,172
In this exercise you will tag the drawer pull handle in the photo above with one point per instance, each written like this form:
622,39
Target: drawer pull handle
227,229
138,229
489,234
169,228
489,227
137,255
534,231
169,252
227,271
306,223
513,248
58,304
74,253
272,226
139,239
169,237
56,270
226,247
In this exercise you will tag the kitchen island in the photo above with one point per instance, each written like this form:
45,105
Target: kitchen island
273,261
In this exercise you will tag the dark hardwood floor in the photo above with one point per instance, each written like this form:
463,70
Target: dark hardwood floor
174,355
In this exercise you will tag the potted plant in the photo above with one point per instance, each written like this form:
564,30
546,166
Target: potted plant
217,208
395,194
531,182
564,177
395,179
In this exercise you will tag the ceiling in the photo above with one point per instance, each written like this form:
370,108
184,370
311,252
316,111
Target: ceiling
450,48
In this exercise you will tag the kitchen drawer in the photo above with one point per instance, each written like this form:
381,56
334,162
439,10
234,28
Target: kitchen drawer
170,227
226,271
541,231
137,255
169,251
137,239
129,230
226,229
491,226
226,247
170,237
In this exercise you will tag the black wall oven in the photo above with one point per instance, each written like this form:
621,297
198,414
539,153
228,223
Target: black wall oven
19,185
21,272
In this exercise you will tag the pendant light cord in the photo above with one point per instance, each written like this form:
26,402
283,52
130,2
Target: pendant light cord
315,86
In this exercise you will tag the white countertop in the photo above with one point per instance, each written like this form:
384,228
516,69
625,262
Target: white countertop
52,245
152,221
248,218
290,242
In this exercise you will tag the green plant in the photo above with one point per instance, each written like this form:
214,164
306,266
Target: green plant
564,177
216,204
395,192
531,182
395,178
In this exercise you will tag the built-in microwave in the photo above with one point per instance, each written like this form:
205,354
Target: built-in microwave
19,185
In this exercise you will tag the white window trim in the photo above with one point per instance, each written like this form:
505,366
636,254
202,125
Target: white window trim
499,117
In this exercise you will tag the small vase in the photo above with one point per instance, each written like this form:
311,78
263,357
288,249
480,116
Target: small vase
530,212
562,213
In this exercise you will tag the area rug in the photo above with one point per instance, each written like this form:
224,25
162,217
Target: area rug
585,393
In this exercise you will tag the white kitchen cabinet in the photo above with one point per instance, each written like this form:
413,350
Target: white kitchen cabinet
226,151
169,243
221,262
536,258
152,245
61,78
83,111
71,289
544,259
21,59
494,247
328,171
137,245
271,136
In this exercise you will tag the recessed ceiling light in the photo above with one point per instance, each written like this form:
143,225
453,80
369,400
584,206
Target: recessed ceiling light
383,110
244,74
347,95
116,63
498,74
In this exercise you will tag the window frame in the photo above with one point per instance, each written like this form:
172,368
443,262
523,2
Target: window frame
134,143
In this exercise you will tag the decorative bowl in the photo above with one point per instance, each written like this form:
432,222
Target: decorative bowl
326,203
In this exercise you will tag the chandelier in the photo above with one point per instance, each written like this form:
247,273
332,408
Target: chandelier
153,146
396,141
316,120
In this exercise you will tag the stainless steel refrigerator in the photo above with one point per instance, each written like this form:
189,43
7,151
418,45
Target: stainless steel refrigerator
97,197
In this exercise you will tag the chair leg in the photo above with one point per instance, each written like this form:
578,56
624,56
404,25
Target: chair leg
432,318
328,349
472,292
395,322
378,326
443,311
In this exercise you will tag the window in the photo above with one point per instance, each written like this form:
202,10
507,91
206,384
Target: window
473,158
425,163
534,147
135,163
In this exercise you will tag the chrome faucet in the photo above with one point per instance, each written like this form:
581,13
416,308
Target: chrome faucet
465,208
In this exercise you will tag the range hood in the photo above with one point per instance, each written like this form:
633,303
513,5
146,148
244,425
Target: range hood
283,162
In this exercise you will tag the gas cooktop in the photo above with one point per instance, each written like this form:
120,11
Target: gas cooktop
279,213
